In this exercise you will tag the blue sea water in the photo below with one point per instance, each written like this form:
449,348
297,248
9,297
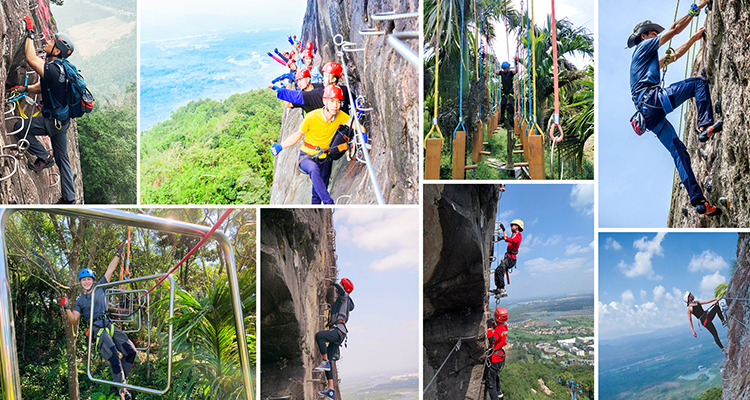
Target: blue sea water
216,65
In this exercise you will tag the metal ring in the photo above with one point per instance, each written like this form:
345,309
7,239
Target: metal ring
361,99
391,15
338,39
50,178
23,144
15,166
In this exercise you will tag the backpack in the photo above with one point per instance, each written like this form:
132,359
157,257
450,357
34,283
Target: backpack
79,99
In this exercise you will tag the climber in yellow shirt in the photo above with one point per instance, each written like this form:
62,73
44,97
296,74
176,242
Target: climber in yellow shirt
318,129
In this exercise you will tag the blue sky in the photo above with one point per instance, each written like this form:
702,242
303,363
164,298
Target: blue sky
642,277
631,166
379,251
580,12
556,255
166,19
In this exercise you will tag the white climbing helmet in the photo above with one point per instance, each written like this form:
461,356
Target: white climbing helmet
686,296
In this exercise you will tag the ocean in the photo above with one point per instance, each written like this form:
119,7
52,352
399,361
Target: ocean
215,66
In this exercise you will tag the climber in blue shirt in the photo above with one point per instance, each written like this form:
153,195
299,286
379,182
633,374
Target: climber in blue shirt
654,102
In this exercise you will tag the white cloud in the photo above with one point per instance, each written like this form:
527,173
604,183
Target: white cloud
403,259
394,234
504,215
532,241
641,265
582,198
629,317
612,244
543,265
707,261
709,283
576,249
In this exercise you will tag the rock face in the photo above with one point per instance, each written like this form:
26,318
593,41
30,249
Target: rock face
459,221
297,255
736,381
25,186
727,163
390,86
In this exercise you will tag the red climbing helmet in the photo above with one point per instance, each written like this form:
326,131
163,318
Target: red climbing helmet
347,284
307,53
333,68
333,92
290,62
301,74
310,46
501,315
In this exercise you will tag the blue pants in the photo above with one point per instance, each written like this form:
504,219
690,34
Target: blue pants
320,172
43,126
655,109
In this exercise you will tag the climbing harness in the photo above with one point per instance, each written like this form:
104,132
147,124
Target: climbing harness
434,146
556,116
359,140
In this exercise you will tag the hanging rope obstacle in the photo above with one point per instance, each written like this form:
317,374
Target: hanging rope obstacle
556,116
434,146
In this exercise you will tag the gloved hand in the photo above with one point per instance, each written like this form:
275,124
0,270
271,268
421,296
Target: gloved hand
490,322
64,302
29,27
274,87
502,227
275,149
290,40
18,89
120,249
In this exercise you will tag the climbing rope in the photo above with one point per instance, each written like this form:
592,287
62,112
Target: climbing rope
741,323
461,79
454,349
435,126
670,51
532,47
556,116
190,253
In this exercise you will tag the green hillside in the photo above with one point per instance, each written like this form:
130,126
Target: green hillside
212,152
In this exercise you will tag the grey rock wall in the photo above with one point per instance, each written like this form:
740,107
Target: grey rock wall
459,221
736,382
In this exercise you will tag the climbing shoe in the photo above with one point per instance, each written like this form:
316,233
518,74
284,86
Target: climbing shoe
706,134
502,293
124,394
328,394
706,208
324,366
40,164
63,201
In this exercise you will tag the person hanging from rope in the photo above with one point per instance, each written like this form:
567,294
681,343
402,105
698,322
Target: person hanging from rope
507,100
320,130
509,261
108,338
53,87
313,99
705,317
653,102
330,340
497,335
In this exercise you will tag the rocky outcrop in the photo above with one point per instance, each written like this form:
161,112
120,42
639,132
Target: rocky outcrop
389,84
724,165
297,256
459,221
736,380
20,185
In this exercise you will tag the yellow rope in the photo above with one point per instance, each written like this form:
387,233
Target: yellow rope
437,77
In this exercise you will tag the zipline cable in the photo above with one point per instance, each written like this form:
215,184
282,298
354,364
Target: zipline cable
190,253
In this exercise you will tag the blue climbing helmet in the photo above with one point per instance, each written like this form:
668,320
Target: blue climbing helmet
505,65
86,272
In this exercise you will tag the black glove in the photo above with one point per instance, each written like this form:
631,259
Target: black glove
19,89
502,227
120,249
490,322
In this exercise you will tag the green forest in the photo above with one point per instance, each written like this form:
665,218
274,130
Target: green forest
467,53
46,252
212,152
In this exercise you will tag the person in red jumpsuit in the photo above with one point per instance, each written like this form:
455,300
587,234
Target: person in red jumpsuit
497,336
509,262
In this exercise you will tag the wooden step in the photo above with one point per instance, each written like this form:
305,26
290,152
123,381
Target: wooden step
473,166
485,153
517,151
522,164
485,143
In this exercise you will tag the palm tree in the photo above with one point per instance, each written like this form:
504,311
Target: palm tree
578,117
205,341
